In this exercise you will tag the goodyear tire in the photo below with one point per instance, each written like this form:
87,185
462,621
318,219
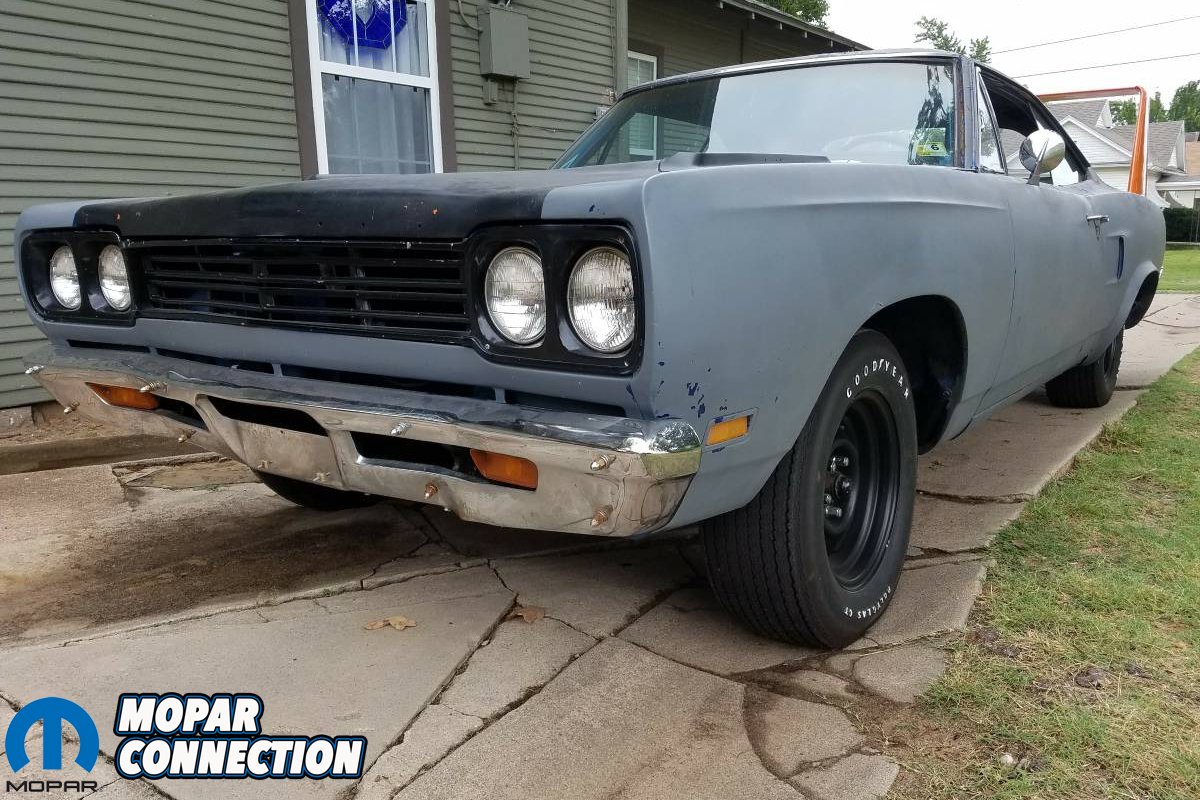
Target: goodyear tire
815,557
1091,385
310,495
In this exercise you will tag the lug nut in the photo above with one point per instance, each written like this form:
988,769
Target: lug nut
845,485
828,499
602,516
833,512
430,490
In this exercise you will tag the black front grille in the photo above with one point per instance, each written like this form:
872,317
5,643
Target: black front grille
412,290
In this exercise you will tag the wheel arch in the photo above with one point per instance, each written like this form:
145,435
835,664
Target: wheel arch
931,336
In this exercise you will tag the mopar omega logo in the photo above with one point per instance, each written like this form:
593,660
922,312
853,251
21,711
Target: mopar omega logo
52,712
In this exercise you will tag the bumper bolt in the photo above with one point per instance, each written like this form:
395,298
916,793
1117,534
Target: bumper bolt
321,477
602,516
34,370
430,491
152,387
602,462
264,464
183,437
400,429
70,408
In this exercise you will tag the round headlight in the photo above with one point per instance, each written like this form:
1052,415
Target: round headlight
64,278
600,298
114,278
515,289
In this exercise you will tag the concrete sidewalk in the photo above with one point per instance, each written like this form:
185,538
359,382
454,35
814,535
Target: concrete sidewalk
187,576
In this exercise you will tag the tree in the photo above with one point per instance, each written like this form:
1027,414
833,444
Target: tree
939,36
1124,112
813,11
1186,105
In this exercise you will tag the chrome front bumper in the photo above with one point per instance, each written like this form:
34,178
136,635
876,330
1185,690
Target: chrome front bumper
600,475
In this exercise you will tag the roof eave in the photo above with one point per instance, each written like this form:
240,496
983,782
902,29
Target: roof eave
783,18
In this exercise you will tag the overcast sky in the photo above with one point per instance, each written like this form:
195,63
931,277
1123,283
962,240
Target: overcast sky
889,23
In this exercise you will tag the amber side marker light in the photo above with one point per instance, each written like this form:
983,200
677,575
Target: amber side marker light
508,470
124,397
728,430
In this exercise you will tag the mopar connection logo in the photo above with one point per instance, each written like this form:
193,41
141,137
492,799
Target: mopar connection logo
219,736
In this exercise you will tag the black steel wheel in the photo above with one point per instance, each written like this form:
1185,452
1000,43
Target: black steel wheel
1091,385
816,556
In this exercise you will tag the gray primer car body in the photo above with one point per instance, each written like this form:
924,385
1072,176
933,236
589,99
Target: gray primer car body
754,278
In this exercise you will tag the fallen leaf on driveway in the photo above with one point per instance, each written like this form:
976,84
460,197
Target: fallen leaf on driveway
399,623
530,614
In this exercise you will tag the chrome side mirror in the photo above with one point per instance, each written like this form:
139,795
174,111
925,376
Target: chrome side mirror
1041,152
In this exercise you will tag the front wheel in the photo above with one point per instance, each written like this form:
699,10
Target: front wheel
816,555
1091,385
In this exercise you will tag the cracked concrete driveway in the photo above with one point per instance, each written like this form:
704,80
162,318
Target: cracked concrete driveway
185,574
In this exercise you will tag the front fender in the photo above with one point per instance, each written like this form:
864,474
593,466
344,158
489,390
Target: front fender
760,275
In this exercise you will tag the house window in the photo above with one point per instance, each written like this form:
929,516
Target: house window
643,129
375,99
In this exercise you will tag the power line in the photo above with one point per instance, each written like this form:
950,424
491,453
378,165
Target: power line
1102,66
1094,35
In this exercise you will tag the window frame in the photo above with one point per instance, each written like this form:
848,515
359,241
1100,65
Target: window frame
318,68
982,93
1041,115
637,55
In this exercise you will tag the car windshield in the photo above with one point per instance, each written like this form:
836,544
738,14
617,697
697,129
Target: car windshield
872,112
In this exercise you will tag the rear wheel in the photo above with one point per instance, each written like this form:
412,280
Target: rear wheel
310,495
815,557
1091,385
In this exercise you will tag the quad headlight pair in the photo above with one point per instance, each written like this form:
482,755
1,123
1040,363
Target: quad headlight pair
600,298
114,279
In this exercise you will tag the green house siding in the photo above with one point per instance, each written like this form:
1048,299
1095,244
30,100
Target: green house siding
571,55
118,98
689,36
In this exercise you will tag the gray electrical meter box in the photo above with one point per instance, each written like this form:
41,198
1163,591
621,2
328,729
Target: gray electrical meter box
503,43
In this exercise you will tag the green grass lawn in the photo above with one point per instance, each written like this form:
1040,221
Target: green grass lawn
1181,271
1101,572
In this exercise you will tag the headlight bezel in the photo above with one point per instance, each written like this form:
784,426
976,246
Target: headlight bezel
35,252
560,247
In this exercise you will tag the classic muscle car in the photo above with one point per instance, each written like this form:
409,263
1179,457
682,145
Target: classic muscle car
745,298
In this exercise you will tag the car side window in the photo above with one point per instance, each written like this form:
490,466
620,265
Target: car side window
1016,118
991,157
1069,171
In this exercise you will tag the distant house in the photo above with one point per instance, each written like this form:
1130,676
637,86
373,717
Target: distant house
120,98
1109,148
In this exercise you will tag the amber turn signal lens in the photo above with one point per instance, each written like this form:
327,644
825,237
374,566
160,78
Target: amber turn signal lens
124,397
504,469
727,431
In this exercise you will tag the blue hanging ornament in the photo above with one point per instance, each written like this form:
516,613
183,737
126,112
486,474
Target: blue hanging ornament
375,22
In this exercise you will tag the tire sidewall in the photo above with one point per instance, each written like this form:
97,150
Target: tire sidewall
870,364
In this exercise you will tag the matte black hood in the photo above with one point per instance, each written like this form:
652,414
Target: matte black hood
446,206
